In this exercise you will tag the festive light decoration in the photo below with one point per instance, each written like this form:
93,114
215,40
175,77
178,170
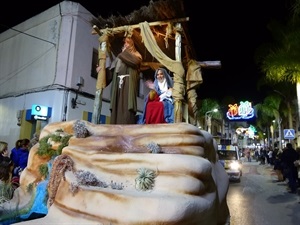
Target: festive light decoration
243,111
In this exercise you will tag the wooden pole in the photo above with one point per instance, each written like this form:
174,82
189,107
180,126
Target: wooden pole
101,81
178,102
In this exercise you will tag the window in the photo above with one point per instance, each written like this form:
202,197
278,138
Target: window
94,64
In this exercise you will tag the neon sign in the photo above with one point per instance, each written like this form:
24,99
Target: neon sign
243,111
250,131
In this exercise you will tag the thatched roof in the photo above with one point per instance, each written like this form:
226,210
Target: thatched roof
156,11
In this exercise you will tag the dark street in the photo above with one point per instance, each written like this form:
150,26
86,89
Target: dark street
260,200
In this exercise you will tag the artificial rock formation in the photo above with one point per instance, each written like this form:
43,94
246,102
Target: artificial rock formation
130,174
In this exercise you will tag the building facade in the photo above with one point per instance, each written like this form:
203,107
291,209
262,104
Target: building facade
47,72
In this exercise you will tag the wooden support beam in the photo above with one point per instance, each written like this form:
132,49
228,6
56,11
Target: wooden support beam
210,64
98,31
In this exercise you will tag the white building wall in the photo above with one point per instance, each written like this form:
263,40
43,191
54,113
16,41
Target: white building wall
28,57
41,62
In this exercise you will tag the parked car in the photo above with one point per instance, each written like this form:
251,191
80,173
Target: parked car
229,157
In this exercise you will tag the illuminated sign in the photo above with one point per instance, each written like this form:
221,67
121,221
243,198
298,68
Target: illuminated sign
40,117
243,111
38,112
249,132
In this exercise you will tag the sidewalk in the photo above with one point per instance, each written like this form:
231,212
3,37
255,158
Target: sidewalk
268,171
263,169
269,200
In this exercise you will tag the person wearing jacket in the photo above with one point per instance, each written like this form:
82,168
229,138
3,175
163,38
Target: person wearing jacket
288,157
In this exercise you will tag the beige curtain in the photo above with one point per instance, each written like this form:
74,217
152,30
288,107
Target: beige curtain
173,65
193,80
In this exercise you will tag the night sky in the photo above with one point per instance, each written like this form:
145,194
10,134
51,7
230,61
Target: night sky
227,31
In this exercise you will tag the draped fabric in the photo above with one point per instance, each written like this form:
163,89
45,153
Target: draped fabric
174,66
193,80
154,110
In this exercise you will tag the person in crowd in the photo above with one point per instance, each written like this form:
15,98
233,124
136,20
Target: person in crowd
6,167
263,153
248,154
5,171
288,157
256,154
297,164
158,107
14,156
14,153
23,153
125,83
6,164
278,167
19,158
266,152
270,157
4,151
34,140
7,188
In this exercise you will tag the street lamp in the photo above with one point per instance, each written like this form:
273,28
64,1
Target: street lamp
279,133
272,134
208,119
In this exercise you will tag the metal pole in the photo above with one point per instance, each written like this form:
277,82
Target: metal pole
272,135
279,134
205,122
206,119
209,123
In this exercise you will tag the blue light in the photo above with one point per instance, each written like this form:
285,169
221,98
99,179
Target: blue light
39,110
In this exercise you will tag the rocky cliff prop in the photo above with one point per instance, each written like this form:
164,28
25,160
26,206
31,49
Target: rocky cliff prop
125,174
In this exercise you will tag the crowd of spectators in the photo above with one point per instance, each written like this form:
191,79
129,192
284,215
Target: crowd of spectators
285,162
12,163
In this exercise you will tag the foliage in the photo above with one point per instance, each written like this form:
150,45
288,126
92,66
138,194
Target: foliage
145,180
261,134
269,109
86,178
43,169
296,10
280,60
266,113
55,137
117,186
64,142
30,187
154,147
209,105
6,192
12,215
45,148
